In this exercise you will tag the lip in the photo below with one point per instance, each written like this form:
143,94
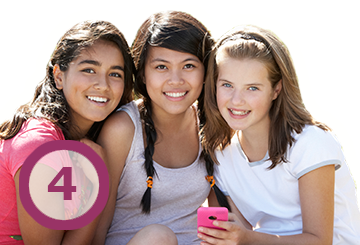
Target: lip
238,114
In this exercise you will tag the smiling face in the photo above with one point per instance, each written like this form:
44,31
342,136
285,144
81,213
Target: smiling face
174,80
93,84
244,93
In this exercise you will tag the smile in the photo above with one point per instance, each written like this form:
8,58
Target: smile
97,99
175,95
239,113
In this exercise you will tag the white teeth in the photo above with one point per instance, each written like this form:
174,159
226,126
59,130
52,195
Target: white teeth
239,113
175,95
97,99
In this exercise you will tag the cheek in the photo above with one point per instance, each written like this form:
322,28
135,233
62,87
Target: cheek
220,99
154,85
198,85
262,104
118,90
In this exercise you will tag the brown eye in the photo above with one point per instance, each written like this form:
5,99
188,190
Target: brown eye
88,71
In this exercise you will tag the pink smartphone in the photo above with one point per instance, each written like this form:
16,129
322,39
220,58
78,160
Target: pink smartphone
207,215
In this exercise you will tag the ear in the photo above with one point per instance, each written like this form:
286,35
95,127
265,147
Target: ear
58,77
277,89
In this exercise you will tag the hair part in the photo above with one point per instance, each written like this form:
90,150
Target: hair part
49,102
287,114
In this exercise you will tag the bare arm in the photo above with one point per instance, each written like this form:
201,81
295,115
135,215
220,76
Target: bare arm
34,233
115,138
316,190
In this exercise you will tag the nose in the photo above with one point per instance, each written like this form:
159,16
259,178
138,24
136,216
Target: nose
101,82
238,98
176,78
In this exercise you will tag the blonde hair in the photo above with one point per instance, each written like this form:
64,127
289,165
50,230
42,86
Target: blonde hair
287,114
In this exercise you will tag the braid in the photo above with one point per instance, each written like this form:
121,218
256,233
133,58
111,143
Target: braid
151,136
221,198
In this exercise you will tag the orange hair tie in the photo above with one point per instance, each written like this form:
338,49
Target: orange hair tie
211,180
149,181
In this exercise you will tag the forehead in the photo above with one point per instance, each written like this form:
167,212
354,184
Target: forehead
98,46
169,55
101,50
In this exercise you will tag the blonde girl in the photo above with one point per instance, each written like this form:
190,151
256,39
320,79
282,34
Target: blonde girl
284,174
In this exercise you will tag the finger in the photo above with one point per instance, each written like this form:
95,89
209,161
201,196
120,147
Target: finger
225,225
205,243
232,217
207,239
213,233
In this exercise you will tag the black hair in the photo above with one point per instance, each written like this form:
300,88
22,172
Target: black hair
177,31
49,102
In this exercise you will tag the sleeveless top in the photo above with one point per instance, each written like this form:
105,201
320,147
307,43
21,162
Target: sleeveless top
176,195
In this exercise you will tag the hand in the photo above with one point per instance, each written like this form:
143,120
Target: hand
234,233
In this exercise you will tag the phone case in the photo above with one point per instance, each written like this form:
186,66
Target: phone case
207,215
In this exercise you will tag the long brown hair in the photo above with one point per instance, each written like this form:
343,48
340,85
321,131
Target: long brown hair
287,114
49,102
176,31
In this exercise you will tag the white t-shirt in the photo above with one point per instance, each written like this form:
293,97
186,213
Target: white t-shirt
269,199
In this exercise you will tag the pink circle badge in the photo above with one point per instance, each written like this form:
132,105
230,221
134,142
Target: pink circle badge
64,185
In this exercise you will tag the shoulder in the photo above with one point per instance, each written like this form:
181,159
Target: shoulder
118,129
313,136
36,131
314,148
41,126
116,138
230,151
33,133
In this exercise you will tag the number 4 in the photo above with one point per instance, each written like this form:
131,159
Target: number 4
67,188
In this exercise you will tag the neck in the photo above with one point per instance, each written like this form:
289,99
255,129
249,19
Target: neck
255,143
78,131
172,122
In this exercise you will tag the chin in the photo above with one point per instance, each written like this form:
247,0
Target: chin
98,118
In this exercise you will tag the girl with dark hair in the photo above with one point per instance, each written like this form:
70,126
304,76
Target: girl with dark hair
284,173
89,75
152,144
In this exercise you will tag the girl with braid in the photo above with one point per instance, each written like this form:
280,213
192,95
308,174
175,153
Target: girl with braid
284,173
152,144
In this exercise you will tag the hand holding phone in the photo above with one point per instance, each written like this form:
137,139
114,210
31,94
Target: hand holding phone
207,215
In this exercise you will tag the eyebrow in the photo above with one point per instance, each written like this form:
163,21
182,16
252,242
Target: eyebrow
166,61
247,84
97,63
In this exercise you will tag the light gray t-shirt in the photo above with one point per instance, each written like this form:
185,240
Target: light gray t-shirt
175,197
